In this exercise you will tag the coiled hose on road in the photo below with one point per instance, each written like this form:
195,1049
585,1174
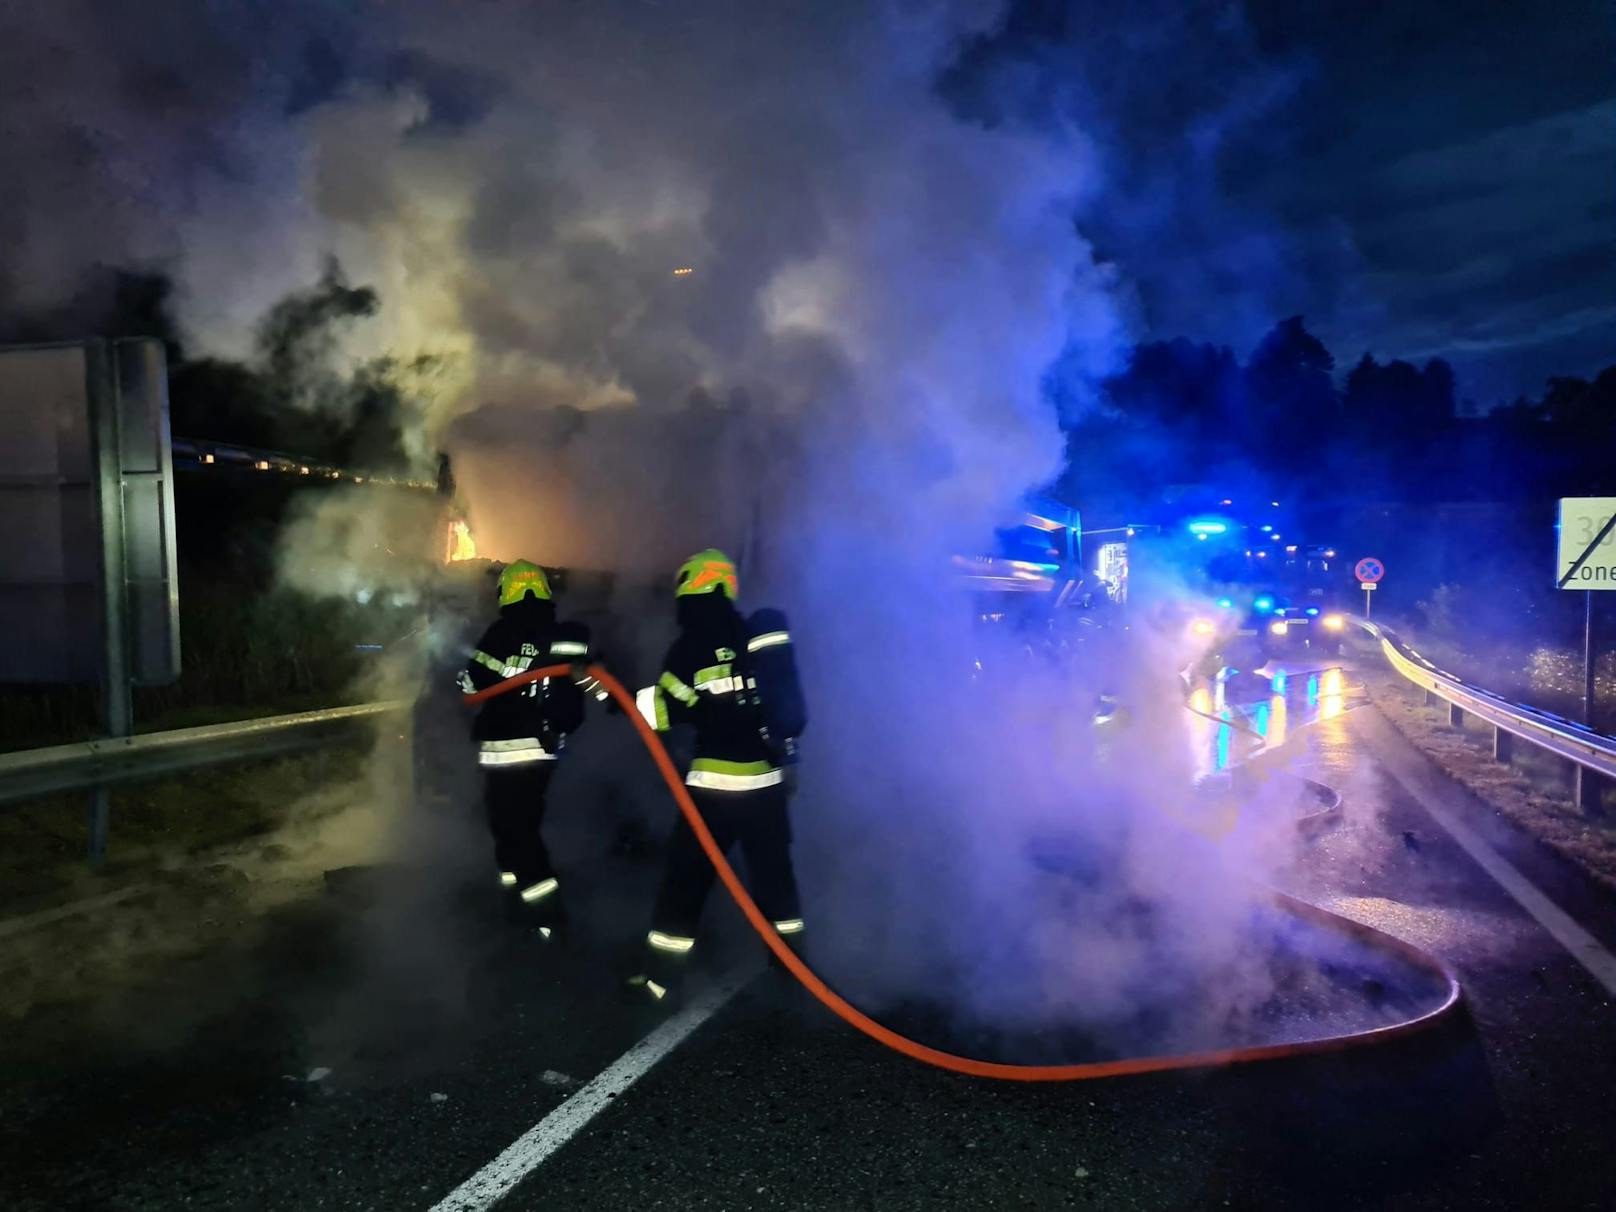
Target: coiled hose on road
1086,1071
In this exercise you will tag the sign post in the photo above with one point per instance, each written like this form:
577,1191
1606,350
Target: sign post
117,703
89,590
1368,570
1586,561
1588,658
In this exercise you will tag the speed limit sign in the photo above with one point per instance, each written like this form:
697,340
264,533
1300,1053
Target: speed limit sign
1587,547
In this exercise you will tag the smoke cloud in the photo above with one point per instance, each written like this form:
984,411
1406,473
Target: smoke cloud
846,386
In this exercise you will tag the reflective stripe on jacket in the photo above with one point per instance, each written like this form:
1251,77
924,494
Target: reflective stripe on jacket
526,636
519,751
708,681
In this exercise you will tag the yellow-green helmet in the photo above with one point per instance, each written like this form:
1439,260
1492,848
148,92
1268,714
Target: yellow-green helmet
704,572
520,578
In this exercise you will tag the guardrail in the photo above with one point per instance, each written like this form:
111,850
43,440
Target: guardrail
90,765
1577,743
200,454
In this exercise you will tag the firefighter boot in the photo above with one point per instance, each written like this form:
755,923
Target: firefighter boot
661,976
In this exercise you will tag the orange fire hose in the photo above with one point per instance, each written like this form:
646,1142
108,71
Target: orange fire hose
855,1017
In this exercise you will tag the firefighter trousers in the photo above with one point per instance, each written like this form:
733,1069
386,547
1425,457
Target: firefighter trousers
515,800
760,823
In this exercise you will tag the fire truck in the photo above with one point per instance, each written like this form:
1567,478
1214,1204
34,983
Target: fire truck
1032,584
1041,555
1036,606
1242,585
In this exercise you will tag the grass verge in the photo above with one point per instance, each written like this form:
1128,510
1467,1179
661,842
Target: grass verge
42,843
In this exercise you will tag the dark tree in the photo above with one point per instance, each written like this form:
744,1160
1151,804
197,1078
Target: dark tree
1580,406
1441,401
1192,390
1292,409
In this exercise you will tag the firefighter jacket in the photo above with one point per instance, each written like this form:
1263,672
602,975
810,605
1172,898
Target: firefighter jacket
529,724
736,682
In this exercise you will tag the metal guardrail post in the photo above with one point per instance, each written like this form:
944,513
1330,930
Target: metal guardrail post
1587,787
1592,754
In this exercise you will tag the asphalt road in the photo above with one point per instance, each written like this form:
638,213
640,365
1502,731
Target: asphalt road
326,1056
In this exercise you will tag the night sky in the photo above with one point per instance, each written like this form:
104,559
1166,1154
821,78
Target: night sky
1430,179
1460,158
1416,179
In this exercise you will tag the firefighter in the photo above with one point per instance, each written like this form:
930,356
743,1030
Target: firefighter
735,681
521,734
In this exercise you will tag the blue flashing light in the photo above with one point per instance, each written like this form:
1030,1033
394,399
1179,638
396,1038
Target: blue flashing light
1226,603
1266,528
1263,604
1209,527
1312,610
1280,681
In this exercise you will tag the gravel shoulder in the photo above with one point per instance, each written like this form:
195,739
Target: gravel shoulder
1533,792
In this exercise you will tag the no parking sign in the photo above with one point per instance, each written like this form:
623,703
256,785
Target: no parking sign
1368,570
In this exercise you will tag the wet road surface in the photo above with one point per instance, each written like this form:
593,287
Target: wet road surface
199,1083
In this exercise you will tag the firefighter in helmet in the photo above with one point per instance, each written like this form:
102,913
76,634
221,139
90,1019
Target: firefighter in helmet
520,734
735,680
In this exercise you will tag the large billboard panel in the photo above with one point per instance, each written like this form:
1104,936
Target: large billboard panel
54,491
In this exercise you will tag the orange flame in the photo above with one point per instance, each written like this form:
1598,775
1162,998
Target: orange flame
461,545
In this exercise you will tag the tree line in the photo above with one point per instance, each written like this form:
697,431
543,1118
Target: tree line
1183,412
288,393
1180,412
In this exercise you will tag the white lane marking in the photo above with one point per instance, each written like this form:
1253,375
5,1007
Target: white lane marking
1583,947
484,1188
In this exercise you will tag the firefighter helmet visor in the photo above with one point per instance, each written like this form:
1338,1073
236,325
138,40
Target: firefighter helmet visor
520,578
705,572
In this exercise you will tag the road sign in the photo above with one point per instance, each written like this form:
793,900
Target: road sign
1587,546
86,493
1587,561
1368,571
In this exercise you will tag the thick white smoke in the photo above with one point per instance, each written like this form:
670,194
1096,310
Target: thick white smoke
845,385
